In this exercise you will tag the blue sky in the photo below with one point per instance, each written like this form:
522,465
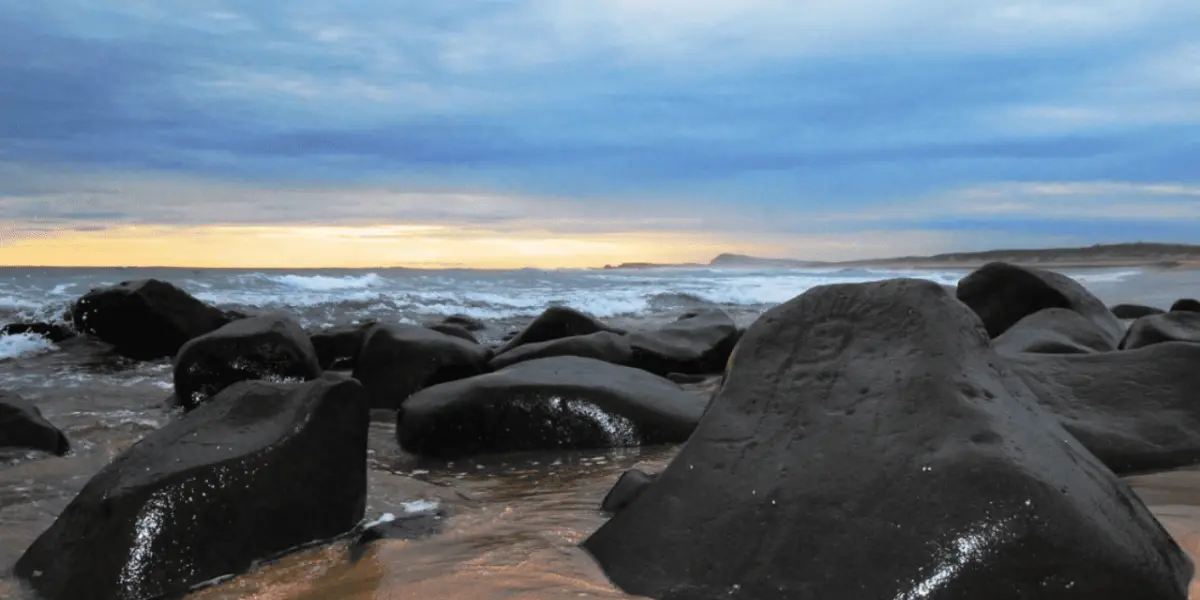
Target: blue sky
944,124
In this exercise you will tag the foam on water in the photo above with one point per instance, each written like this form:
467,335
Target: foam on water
25,344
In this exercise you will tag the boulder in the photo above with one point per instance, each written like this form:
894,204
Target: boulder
454,331
146,319
52,332
465,322
260,469
269,348
337,347
1002,294
554,323
1186,305
1134,311
23,426
629,486
699,342
869,443
1054,331
398,360
564,402
1180,326
1136,410
603,345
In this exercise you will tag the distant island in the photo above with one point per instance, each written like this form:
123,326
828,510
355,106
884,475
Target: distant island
1098,256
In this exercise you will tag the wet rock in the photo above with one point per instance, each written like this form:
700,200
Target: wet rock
1133,311
1054,331
260,469
629,486
1002,294
398,360
700,342
554,323
23,426
547,404
454,331
1180,326
52,332
1136,410
1186,305
337,347
869,443
465,322
269,348
145,319
603,345
407,526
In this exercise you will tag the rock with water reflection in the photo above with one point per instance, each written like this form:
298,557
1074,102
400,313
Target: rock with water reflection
1180,326
145,319
398,360
546,404
869,443
23,426
1054,331
260,469
269,348
698,342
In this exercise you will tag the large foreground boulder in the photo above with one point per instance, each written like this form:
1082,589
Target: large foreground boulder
260,469
1002,294
554,323
1054,331
398,360
699,342
23,426
547,404
869,443
145,319
269,348
603,345
338,347
1137,410
1178,326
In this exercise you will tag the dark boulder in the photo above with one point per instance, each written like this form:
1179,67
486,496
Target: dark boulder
1179,326
337,347
1002,294
869,443
269,348
23,426
1054,331
1136,410
398,360
406,526
603,345
52,332
454,331
260,469
554,323
465,322
629,486
1186,305
1134,311
700,342
547,404
146,319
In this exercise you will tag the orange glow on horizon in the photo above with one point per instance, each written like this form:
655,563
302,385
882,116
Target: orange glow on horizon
425,246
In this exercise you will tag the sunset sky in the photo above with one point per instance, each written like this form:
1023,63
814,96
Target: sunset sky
499,133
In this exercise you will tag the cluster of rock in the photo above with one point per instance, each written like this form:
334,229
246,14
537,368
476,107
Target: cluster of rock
893,439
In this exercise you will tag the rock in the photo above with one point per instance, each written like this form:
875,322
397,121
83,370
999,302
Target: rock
869,443
260,469
454,331
629,486
465,322
1003,294
547,404
554,323
146,319
1136,410
23,426
603,345
1186,305
1133,311
1054,331
337,347
682,378
269,348
1179,326
407,526
700,342
398,360
52,332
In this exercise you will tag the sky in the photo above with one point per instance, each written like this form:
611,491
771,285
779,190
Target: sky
568,133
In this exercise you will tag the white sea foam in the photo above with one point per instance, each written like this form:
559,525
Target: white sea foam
324,283
25,344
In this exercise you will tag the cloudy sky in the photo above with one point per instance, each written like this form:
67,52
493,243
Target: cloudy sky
580,132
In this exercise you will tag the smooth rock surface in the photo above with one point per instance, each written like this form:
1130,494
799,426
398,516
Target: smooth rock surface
1180,326
1054,331
338,347
603,345
699,342
546,404
1134,311
145,319
869,443
1002,294
629,486
23,426
554,323
398,360
1186,305
454,331
260,469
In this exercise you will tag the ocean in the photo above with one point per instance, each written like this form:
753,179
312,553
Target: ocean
515,521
